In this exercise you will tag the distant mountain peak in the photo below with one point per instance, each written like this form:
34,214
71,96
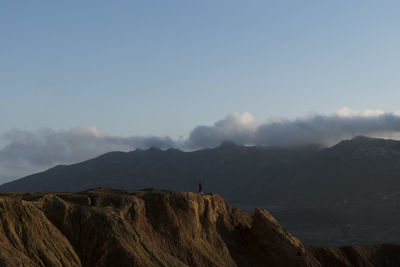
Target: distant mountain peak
362,138
153,150
228,144
356,140
364,147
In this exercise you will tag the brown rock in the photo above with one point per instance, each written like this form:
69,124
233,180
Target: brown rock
105,227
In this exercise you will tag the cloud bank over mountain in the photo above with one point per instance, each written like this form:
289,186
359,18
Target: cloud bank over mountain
26,151
311,129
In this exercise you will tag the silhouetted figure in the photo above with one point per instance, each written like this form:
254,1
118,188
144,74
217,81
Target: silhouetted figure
200,187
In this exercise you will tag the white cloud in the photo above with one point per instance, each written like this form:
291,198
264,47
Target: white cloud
47,147
26,151
346,112
311,128
239,128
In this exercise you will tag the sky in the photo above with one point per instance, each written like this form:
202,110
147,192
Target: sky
80,78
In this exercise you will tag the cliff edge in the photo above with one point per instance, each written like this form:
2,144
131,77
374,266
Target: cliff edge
106,227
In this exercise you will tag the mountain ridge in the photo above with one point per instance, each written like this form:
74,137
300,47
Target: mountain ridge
348,192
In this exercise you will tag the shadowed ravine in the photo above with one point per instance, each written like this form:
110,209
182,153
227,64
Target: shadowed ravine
106,227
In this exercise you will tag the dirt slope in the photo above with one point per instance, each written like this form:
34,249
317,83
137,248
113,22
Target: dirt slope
107,227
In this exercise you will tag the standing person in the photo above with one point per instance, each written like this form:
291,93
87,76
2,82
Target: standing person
200,188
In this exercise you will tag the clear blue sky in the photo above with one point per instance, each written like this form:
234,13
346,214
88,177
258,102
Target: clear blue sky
163,67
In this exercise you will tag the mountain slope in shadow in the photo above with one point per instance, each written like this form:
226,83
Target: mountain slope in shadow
345,194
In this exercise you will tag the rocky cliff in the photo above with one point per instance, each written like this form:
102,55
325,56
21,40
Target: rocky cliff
105,227
342,195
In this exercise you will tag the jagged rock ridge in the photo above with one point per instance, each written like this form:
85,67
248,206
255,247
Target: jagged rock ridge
105,227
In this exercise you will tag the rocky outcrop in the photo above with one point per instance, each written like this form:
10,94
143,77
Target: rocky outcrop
105,227
28,238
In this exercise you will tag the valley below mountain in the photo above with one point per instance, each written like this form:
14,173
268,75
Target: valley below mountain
342,195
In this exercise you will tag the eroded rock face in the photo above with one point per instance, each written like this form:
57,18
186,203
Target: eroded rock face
107,227
28,238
